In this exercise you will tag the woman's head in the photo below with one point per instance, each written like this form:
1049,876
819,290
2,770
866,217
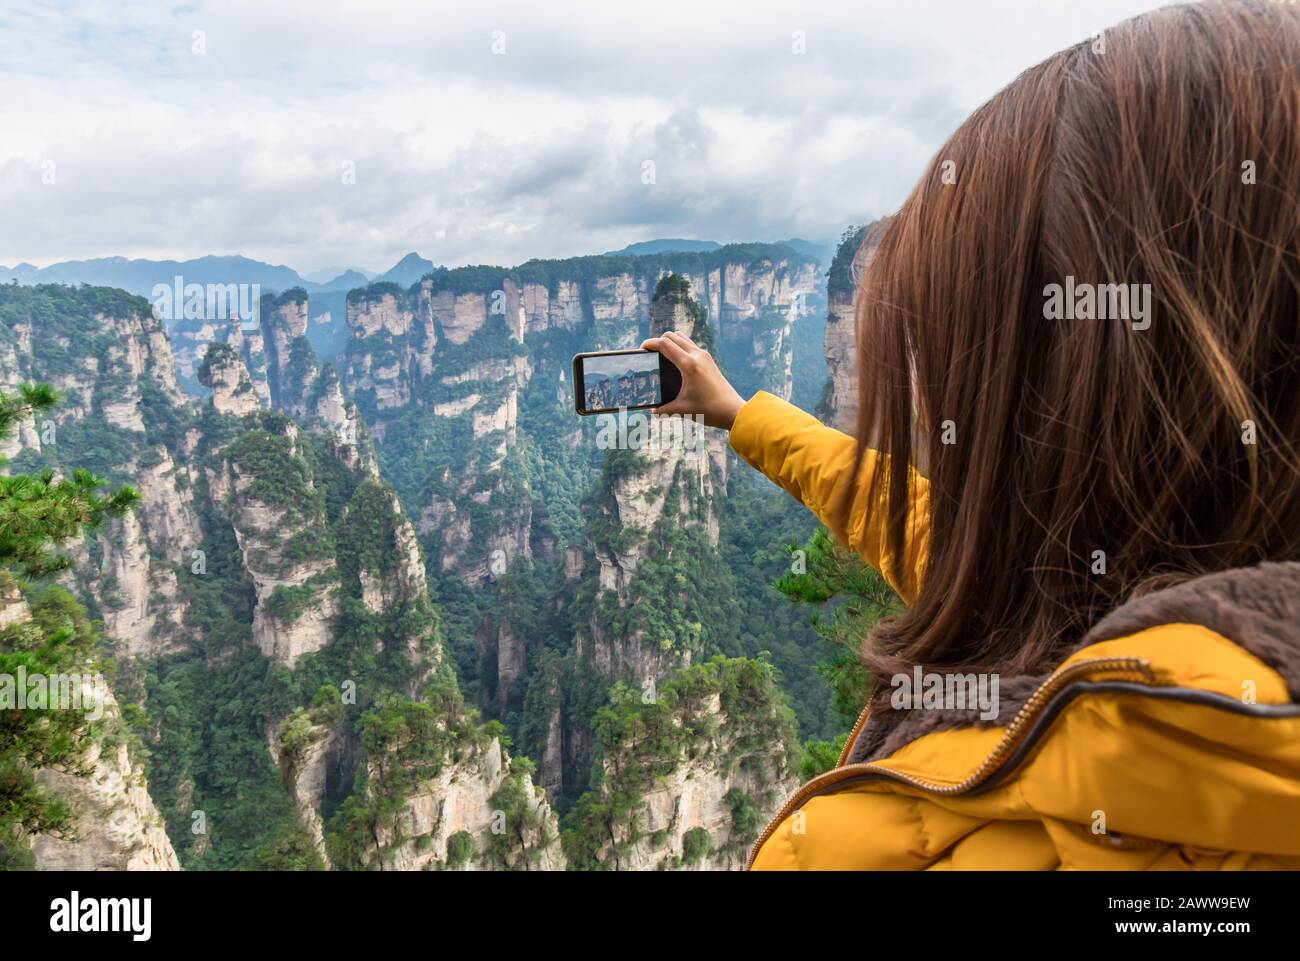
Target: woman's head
1083,439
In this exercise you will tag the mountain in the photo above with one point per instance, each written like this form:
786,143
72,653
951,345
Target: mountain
329,276
406,271
266,564
76,785
664,247
375,600
140,276
344,281
23,273
688,779
839,403
820,252
549,556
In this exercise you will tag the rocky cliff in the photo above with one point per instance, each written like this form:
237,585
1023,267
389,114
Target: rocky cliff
840,402
113,824
224,373
451,406
450,364
653,490
646,577
87,806
263,540
686,779
123,417
441,793
300,634
264,484
463,381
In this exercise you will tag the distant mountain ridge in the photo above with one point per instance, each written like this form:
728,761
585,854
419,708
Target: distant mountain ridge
667,246
331,275
406,271
139,276
821,252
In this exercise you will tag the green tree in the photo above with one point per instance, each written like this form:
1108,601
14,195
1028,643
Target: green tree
848,597
37,513
695,845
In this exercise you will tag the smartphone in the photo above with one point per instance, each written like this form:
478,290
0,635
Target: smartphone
610,380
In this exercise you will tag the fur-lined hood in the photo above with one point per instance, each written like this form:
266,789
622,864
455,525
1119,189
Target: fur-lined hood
1257,608
1170,738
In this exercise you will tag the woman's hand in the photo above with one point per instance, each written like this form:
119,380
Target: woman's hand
704,390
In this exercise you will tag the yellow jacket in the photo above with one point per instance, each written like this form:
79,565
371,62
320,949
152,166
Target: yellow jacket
1170,738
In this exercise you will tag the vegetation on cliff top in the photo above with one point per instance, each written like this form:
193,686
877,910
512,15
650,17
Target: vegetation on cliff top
37,514
726,714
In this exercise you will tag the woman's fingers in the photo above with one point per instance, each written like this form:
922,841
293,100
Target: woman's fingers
705,391
676,353
680,349
681,340
671,349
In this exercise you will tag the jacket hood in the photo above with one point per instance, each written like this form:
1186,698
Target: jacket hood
1256,608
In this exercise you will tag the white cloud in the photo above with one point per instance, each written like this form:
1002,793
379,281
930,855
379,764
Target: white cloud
470,157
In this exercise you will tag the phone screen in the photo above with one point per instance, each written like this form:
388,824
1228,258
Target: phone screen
623,379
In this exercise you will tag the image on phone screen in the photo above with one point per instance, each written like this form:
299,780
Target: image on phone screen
608,381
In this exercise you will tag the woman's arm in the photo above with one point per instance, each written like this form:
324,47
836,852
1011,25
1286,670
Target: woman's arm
810,460
805,457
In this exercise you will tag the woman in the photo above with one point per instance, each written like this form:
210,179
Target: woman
1088,493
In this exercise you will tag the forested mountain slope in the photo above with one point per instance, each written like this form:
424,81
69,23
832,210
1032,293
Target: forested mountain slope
333,575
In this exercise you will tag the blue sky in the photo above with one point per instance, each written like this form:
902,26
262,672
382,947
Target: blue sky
483,132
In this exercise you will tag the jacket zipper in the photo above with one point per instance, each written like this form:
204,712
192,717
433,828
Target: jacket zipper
852,739
1014,733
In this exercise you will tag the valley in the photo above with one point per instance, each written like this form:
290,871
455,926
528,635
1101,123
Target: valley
386,602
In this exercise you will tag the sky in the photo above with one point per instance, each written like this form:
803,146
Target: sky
320,134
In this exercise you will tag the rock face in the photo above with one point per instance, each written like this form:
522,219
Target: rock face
466,798
266,498
378,547
451,361
498,638
461,378
106,363
756,323
671,482
190,340
312,564
654,510
291,367
111,360
278,515
305,751
327,411
223,372
138,592
266,342
115,826
850,263
409,366
720,767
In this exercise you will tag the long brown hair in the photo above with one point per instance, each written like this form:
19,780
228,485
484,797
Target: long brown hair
1166,152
